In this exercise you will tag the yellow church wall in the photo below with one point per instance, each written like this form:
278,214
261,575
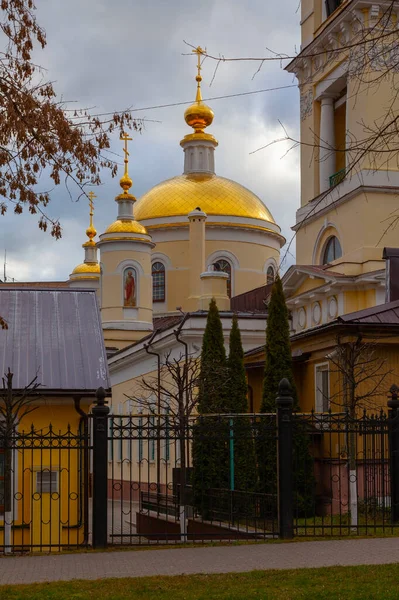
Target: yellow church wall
372,101
362,243
56,518
250,274
359,300
309,284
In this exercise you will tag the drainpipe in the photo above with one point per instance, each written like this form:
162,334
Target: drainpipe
85,419
146,348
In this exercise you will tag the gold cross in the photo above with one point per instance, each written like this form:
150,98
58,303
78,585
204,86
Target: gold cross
126,138
199,52
91,198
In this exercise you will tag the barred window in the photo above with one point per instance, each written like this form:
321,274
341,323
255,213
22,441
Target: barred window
158,282
225,266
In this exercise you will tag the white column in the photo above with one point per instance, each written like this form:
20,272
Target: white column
327,142
199,157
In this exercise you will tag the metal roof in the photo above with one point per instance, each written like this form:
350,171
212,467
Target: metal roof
55,334
384,314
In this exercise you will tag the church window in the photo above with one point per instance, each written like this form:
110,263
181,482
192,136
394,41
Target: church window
270,275
332,250
158,282
224,266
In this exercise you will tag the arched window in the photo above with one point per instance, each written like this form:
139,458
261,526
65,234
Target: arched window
332,251
270,275
158,282
225,266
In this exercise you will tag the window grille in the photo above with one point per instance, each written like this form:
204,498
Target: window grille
158,282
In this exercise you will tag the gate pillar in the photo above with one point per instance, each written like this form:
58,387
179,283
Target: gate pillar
284,403
100,470
393,431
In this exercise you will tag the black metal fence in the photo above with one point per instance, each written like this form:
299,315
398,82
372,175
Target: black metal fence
156,479
44,490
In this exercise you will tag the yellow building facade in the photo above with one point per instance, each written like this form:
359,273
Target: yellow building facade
349,172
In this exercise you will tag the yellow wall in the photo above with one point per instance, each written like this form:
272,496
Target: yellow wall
48,518
362,234
250,274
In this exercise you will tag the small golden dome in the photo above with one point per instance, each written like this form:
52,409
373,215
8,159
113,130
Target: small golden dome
126,226
91,232
87,268
215,195
198,116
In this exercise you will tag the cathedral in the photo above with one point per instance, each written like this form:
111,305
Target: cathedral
190,238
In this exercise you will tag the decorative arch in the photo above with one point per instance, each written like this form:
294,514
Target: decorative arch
229,256
130,263
328,230
231,260
270,270
332,250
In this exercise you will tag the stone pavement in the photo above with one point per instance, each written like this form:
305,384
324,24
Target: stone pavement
222,559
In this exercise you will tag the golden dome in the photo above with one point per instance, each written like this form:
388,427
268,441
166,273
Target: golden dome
215,195
198,116
87,268
126,226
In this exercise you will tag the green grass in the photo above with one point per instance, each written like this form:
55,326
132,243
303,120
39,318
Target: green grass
333,583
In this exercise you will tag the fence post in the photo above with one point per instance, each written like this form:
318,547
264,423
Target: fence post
100,470
285,402
393,433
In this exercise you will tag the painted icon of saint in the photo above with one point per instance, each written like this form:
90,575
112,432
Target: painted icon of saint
130,288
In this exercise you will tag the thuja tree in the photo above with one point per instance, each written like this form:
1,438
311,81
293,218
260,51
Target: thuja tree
243,473
210,439
278,365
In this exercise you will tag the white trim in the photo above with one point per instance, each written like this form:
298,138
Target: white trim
361,183
330,85
128,325
228,257
129,263
163,258
317,255
222,254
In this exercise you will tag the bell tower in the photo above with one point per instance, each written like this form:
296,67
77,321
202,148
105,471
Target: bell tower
126,280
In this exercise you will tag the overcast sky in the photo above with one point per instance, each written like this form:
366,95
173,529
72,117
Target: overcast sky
111,55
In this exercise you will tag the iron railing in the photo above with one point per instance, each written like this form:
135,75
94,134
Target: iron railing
337,177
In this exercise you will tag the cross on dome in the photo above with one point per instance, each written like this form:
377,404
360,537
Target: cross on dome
125,182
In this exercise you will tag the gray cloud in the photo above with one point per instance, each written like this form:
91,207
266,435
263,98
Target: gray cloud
111,55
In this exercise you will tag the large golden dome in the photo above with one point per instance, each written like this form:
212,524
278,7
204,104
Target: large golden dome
214,195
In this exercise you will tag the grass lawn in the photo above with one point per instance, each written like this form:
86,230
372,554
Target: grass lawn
332,583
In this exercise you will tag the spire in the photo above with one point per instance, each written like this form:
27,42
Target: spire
199,146
199,115
125,182
198,51
89,269
91,231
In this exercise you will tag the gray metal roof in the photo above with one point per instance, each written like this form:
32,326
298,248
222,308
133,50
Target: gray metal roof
384,314
55,334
